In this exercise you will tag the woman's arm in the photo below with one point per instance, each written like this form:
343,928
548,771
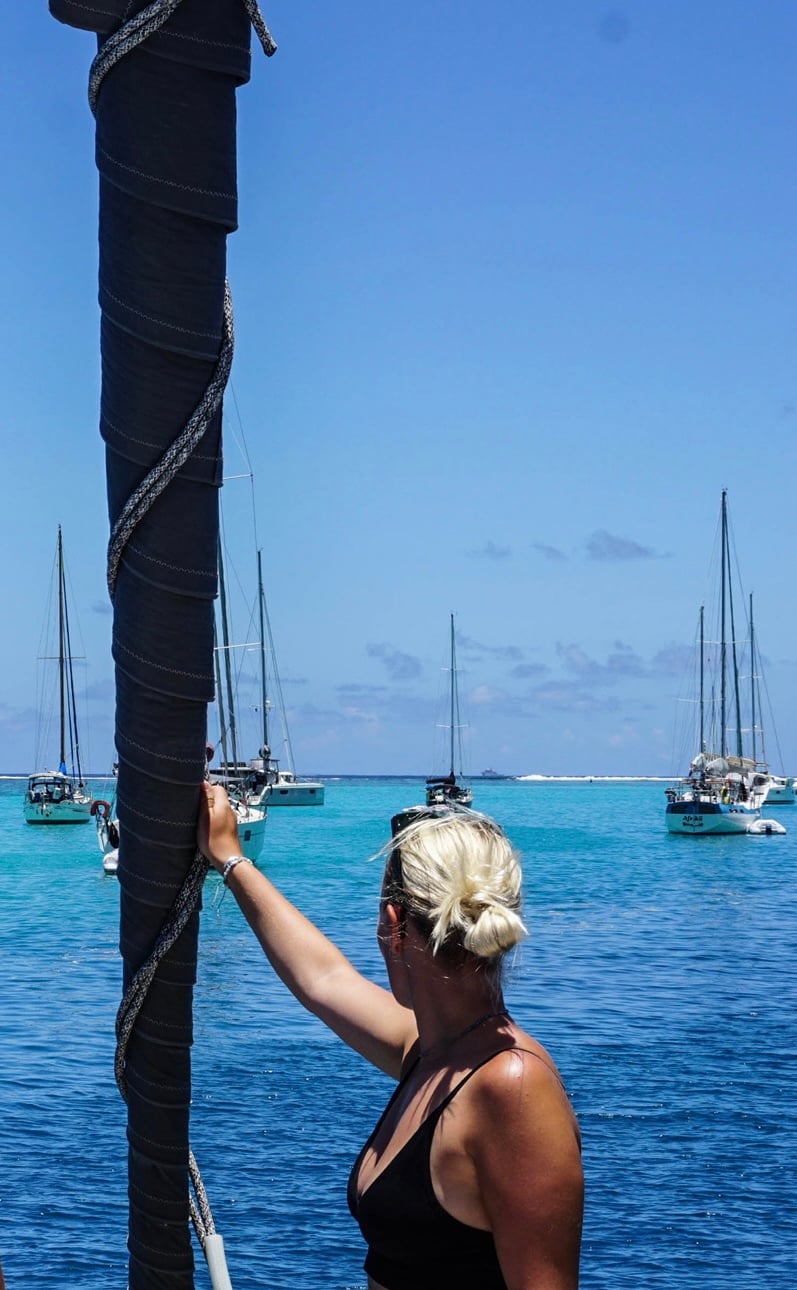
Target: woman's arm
525,1144
364,1015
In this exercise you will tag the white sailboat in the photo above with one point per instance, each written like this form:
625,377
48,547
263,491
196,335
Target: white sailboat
246,799
266,782
725,787
61,796
280,787
778,789
451,788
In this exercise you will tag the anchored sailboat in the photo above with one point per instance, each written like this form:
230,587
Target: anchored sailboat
61,796
726,785
280,787
451,788
245,798
258,783
778,789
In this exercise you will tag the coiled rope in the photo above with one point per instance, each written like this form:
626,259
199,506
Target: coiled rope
128,37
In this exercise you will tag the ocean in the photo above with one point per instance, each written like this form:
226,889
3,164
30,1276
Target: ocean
660,972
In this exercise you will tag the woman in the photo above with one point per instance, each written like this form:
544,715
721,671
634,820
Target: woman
472,1178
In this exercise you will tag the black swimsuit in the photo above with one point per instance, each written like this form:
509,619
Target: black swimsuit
413,1243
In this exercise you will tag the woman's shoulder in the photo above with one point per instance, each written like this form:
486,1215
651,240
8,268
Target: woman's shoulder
517,1107
524,1062
518,1081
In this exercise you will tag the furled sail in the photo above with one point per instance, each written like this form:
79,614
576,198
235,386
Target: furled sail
163,93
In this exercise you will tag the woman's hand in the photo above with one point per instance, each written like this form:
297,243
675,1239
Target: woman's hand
217,830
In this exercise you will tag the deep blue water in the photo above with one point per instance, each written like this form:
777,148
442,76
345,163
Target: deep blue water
660,972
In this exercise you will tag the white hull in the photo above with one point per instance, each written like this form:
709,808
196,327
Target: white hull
107,835
251,831
251,828
110,860
294,793
266,785
699,812
780,792
710,818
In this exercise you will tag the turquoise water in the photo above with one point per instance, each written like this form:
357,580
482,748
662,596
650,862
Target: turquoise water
660,973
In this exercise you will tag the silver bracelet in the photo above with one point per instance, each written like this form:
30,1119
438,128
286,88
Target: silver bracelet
230,864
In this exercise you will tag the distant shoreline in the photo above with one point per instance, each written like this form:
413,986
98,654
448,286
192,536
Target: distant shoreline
482,779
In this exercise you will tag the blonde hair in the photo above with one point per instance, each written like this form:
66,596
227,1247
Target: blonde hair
457,873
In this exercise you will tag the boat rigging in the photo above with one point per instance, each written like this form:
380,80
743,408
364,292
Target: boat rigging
61,796
451,789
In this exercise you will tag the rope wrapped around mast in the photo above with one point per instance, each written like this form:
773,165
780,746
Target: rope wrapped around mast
163,92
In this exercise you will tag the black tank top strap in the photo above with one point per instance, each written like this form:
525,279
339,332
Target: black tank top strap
510,1048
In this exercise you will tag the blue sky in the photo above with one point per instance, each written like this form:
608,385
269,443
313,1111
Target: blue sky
515,295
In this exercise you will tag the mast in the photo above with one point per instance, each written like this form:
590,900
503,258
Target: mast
453,686
61,656
723,646
220,698
286,734
752,678
225,634
263,690
734,652
71,704
702,673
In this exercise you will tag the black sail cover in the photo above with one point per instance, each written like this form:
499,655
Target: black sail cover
166,154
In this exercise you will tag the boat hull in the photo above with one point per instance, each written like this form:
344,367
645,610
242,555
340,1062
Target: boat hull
780,793
698,818
58,813
298,793
251,829
52,798
110,861
448,795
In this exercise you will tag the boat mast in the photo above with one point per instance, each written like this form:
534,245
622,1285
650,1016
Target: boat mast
277,684
225,634
723,646
263,690
702,672
734,653
71,704
752,677
220,696
453,688
61,654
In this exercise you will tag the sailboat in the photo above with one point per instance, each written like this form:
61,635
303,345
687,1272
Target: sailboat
267,784
61,796
778,789
279,787
246,797
451,788
725,786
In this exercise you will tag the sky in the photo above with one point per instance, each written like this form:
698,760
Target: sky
515,299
